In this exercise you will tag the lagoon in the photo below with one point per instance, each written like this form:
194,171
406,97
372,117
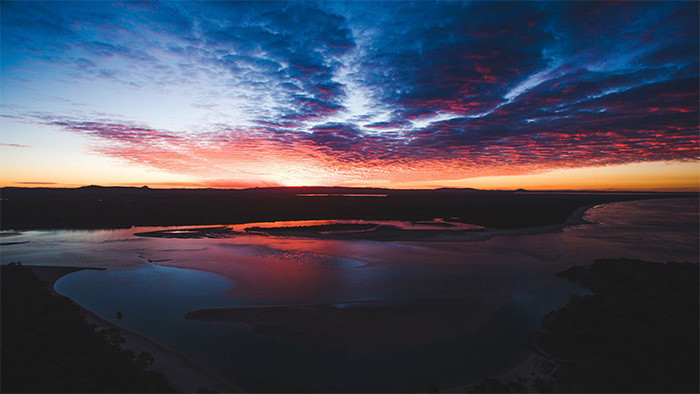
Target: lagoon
508,282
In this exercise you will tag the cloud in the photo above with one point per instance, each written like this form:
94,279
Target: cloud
389,90
15,145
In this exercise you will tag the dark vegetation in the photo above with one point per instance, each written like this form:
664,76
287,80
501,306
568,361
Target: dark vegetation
123,207
199,232
638,332
48,347
367,231
436,224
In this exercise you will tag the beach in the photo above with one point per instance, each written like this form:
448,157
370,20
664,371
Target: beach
183,373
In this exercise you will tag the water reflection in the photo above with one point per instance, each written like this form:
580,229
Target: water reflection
155,281
152,299
422,225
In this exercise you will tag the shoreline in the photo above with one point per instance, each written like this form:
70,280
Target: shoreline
533,363
575,219
574,367
185,374
534,368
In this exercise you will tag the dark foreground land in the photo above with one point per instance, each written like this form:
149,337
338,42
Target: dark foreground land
123,207
638,332
48,347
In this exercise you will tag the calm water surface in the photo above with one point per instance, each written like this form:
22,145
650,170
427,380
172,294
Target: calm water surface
154,282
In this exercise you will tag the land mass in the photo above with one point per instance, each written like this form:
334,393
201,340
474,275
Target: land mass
437,231
124,207
48,347
50,344
638,332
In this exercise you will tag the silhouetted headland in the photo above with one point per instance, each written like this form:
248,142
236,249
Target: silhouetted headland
48,347
638,332
51,344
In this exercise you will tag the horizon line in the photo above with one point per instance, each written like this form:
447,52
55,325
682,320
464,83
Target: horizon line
49,185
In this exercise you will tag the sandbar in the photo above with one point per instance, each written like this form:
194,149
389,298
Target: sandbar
377,324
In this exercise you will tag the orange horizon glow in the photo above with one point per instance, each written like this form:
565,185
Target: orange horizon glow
672,176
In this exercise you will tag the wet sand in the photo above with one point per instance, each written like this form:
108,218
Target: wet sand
524,377
363,324
182,372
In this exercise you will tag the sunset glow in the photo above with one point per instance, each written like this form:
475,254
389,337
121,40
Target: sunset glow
541,96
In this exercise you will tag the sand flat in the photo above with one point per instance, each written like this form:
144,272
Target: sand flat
363,324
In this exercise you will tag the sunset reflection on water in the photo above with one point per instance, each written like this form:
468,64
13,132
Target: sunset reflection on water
510,278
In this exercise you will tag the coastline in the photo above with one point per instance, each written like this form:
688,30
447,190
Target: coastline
538,366
526,375
185,374
532,365
571,353
576,218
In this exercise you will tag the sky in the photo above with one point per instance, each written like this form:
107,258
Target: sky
537,95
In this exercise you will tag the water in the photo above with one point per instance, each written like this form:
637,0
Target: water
154,282
153,301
